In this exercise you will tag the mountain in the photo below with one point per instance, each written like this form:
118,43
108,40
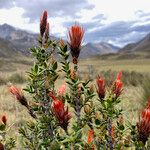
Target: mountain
22,40
138,50
91,49
7,49
141,46
128,47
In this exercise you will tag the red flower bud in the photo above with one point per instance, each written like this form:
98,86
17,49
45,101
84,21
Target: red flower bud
4,119
62,115
143,126
117,85
1,146
75,33
100,87
47,33
90,138
43,23
19,96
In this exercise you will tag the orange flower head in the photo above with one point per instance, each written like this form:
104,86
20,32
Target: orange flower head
4,119
143,126
119,75
100,87
18,94
117,85
90,138
43,23
113,133
62,115
1,146
15,91
75,33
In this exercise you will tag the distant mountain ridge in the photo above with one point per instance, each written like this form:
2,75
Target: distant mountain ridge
141,46
7,49
21,40
91,49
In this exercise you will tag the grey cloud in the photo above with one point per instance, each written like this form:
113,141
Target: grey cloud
115,29
142,28
6,3
147,19
87,26
99,17
141,13
129,38
34,8
119,32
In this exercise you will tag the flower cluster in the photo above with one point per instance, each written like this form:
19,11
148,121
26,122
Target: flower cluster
117,86
18,94
143,125
3,122
62,114
44,25
76,33
101,87
21,99
4,119
90,136
1,146
44,28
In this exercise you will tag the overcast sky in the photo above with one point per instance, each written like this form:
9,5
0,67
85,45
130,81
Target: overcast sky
115,21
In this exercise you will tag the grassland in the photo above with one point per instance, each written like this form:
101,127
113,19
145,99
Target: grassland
12,69
138,65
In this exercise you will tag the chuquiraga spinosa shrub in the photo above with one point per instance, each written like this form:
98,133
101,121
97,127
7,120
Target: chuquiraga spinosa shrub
76,116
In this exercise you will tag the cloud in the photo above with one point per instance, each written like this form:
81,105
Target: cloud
141,13
115,29
6,3
106,22
129,38
99,17
120,32
142,28
86,25
55,8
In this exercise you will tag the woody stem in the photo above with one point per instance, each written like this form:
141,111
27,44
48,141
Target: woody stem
77,100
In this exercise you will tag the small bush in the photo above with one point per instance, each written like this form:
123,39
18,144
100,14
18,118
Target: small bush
17,78
2,81
145,90
129,78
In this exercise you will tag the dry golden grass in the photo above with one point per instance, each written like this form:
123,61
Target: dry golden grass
139,65
16,113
